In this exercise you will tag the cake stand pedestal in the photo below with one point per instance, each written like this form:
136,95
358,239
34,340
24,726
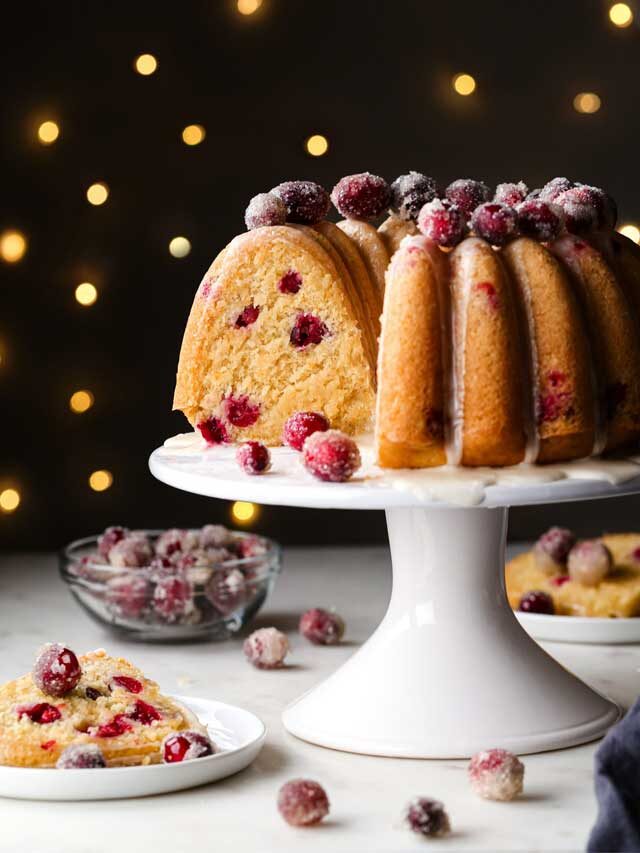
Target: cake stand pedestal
449,671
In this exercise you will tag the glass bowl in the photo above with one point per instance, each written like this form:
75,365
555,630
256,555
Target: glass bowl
197,598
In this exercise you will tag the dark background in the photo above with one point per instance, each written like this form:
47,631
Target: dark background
374,77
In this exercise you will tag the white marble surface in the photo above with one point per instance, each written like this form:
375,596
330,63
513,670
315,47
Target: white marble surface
239,814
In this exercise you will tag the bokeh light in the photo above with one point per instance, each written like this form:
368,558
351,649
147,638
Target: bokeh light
97,194
587,103
9,500
631,231
13,246
621,15
243,512
81,401
464,84
86,293
193,134
248,7
317,145
179,247
100,480
48,132
145,64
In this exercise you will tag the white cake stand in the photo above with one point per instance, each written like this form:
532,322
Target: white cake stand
449,671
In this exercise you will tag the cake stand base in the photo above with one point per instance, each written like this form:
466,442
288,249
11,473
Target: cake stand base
449,671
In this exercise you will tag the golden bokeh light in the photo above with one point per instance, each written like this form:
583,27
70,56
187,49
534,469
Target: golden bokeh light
48,132
464,84
621,15
13,246
9,500
243,512
193,134
587,103
145,64
317,145
179,247
97,194
81,401
631,231
100,480
86,293
248,7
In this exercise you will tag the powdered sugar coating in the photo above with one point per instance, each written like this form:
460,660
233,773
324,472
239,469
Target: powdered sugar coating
467,194
307,203
331,456
427,817
265,209
410,192
511,193
303,802
589,562
443,222
266,648
553,188
496,774
362,196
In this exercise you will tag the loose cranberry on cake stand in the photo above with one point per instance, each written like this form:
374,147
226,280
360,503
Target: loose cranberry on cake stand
81,756
467,194
186,746
427,817
300,426
589,562
265,209
253,457
321,627
442,222
56,670
331,456
306,202
496,774
303,802
362,196
409,194
266,648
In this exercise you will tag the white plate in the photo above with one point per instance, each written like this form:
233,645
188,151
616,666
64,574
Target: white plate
239,733
580,629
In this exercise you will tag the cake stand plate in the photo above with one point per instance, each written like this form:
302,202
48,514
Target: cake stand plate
449,671
581,629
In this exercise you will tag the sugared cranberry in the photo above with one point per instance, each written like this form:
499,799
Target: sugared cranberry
131,685
213,431
265,209
467,194
361,196
443,222
176,540
321,627
56,670
580,213
128,595
552,189
247,316
331,456
540,220
110,537
119,725
308,329
300,426
291,282
250,546
603,204
409,194
240,411
132,552
186,746
615,395
511,194
266,648
303,802
144,713
427,817
496,774
494,222
173,598
589,562
552,549
81,756
537,601
215,536
41,713
306,202
227,590
253,457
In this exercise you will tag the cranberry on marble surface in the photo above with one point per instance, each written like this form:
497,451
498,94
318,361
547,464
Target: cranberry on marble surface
307,203
511,193
41,713
56,670
265,209
540,220
552,549
173,598
247,316
110,537
494,222
213,431
427,817
496,774
331,456
362,196
303,802
537,601
589,562
321,627
409,194
266,648
81,756
253,457
131,685
186,746
291,282
467,194
299,426
442,222
128,595
307,329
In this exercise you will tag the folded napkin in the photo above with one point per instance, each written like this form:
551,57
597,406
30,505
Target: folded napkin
617,782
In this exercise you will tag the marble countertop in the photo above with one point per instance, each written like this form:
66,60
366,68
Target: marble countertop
367,794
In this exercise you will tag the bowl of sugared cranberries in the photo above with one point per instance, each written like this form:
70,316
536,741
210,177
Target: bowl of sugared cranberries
172,584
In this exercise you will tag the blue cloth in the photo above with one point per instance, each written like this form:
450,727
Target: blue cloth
617,781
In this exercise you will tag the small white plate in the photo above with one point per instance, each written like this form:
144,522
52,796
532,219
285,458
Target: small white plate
239,733
580,629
